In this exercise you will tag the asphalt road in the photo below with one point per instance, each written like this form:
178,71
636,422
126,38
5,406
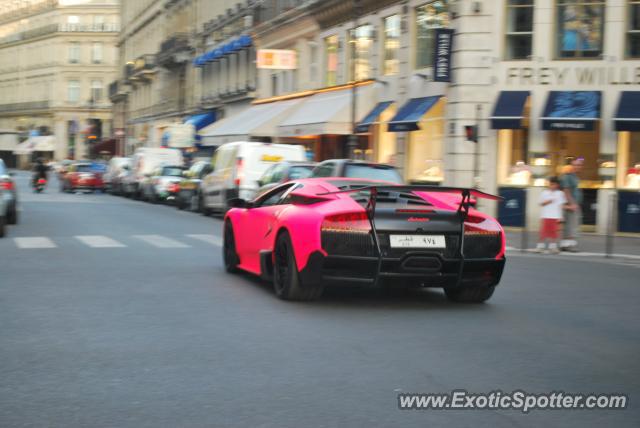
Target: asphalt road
120,314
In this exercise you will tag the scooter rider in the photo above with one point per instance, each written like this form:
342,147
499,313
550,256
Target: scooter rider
39,171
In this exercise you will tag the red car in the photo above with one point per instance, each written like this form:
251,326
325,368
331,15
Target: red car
82,176
309,233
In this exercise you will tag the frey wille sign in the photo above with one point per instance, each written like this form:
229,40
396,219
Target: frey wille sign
573,75
442,55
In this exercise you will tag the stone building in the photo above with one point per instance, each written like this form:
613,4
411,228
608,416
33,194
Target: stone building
56,59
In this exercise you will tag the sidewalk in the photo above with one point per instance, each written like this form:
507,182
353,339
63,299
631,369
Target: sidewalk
588,243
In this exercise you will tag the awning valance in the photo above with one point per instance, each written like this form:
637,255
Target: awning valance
571,111
410,114
201,120
259,120
627,117
244,41
372,117
509,110
328,113
36,144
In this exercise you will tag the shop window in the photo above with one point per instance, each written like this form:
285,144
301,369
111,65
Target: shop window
513,166
629,160
360,44
385,148
519,34
391,44
580,25
565,146
633,29
429,17
424,159
331,60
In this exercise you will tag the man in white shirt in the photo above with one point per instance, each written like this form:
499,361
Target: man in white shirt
552,201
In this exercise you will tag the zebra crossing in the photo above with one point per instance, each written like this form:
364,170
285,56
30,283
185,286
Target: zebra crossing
103,241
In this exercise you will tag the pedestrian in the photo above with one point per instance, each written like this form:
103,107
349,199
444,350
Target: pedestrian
552,201
570,184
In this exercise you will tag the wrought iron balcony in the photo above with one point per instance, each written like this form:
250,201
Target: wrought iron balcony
175,51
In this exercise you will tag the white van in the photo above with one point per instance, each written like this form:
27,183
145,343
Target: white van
145,161
237,167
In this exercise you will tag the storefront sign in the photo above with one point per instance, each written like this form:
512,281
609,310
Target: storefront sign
277,59
442,55
583,75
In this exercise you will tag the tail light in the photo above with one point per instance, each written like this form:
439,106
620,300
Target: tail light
239,172
174,188
7,185
42,181
348,222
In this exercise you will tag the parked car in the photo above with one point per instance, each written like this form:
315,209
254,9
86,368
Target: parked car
349,168
283,172
189,196
238,166
85,176
114,173
309,233
9,197
144,163
163,185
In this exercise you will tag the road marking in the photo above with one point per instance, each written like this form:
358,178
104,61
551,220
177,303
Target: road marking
35,242
161,241
209,239
99,241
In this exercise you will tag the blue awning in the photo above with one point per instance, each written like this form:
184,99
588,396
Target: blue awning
372,117
627,117
571,111
509,110
410,114
201,120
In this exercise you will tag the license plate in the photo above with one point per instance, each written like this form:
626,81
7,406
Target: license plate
417,241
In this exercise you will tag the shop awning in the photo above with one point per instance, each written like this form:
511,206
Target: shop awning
259,120
571,111
509,110
36,144
328,113
201,120
410,114
627,117
372,117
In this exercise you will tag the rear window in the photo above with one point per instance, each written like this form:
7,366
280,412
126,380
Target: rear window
300,171
372,172
83,168
172,172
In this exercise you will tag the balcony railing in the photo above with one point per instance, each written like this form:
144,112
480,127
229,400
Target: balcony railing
117,90
166,106
175,50
55,28
26,106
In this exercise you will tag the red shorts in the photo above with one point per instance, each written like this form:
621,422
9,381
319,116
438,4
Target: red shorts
549,228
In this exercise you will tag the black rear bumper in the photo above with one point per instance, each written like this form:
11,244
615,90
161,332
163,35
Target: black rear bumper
413,269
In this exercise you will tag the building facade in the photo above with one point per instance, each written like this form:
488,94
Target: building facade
56,60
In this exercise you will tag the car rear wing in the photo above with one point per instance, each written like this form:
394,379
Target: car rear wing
463,209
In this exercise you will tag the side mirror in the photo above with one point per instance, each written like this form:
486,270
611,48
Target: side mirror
239,203
259,182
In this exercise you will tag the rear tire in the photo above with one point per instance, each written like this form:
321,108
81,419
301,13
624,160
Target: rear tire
12,216
229,254
286,278
470,294
203,207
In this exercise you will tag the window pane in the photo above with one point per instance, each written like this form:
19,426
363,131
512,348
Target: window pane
429,17
74,53
519,46
633,43
391,44
360,43
634,16
73,91
580,29
520,19
96,53
331,59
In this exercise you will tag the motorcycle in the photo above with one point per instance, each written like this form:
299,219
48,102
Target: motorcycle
39,185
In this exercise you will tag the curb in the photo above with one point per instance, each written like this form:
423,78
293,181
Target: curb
512,250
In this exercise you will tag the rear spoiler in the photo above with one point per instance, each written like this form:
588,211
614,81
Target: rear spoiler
465,193
463,210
